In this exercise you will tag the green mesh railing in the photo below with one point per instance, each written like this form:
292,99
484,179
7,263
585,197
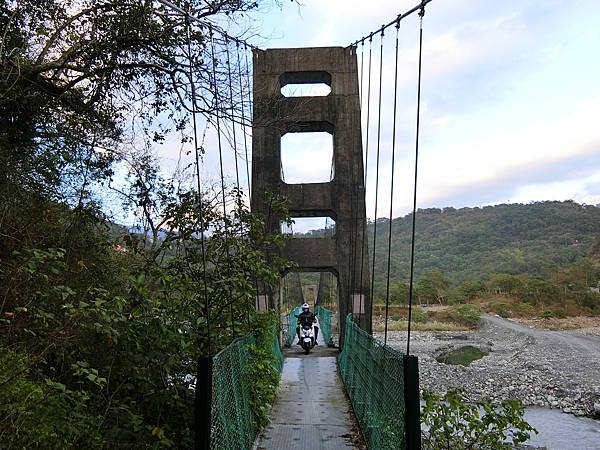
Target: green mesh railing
233,425
292,324
324,315
373,374
232,420
276,350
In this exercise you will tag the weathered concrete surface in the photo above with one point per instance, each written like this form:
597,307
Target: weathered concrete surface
311,410
342,199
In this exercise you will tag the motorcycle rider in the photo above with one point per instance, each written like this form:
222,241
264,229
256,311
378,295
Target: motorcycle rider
307,318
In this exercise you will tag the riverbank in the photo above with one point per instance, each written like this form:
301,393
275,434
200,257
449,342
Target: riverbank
549,369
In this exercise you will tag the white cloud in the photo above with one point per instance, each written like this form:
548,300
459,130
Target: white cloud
510,98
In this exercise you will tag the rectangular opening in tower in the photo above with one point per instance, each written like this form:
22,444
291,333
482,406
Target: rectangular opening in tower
307,157
305,84
310,227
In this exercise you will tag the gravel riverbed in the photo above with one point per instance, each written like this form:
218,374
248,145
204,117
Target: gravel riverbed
551,369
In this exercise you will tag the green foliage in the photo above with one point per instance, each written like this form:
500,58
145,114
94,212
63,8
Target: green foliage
501,308
432,287
419,315
468,244
109,337
44,413
451,423
100,328
469,315
547,314
264,369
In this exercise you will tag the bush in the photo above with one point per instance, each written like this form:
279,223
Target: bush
468,314
264,370
419,315
42,414
547,314
557,312
526,309
501,308
451,423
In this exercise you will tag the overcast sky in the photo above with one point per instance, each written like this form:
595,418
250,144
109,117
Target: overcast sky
510,97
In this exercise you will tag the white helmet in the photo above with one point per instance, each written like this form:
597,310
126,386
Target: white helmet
305,307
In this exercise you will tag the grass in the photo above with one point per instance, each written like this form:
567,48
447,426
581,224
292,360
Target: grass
402,325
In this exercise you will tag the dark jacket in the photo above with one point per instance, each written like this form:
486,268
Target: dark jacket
306,318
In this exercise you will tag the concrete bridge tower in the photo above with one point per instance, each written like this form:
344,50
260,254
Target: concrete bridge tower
343,198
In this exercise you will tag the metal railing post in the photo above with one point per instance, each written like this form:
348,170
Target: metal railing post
412,406
203,403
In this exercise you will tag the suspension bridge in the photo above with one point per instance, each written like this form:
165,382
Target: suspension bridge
351,377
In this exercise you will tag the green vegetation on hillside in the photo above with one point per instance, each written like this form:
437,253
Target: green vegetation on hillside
536,259
516,260
467,244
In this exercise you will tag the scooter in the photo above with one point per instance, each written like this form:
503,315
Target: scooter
307,338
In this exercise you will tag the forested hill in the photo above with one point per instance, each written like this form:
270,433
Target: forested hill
468,243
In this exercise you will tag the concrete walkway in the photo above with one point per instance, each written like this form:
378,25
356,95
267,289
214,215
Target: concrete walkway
311,411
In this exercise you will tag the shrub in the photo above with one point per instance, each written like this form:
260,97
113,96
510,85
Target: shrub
526,309
501,308
468,314
451,423
547,314
419,315
42,414
264,370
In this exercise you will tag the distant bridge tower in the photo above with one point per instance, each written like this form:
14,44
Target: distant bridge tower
343,198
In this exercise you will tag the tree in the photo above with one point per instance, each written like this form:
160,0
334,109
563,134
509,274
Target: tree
432,286
81,82
99,337
105,343
399,293
504,283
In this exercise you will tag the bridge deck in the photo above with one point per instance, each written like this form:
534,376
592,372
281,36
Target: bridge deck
311,410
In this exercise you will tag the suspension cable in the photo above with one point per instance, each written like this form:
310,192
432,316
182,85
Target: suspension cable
235,154
414,214
248,92
352,251
199,187
365,229
202,439
234,148
243,119
218,123
419,7
377,163
362,57
248,78
354,197
387,286
212,28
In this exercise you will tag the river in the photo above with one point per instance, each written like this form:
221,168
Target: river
560,431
